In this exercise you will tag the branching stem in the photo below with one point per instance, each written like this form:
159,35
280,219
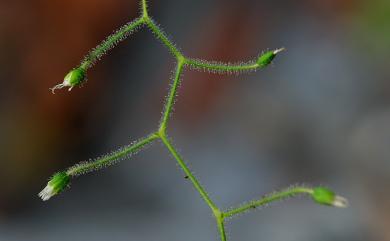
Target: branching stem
76,76
163,38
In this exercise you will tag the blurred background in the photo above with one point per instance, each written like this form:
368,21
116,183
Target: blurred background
319,116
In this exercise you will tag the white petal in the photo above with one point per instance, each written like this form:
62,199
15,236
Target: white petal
46,193
276,51
340,202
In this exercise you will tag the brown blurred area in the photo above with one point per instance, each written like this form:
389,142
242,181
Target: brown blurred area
299,122
40,41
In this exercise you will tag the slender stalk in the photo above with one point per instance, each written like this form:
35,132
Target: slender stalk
82,168
187,171
221,228
159,33
221,67
110,42
171,98
289,192
145,9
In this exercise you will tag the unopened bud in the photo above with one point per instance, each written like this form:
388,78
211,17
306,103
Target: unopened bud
325,196
267,57
56,185
74,78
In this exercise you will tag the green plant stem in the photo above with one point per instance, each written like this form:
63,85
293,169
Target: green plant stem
171,98
289,192
182,62
219,216
221,67
145,9
187,171
159,33
110,42
221,227
111,158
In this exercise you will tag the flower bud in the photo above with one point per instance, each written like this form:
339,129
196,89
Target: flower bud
74,78
56,185
267,57
325,196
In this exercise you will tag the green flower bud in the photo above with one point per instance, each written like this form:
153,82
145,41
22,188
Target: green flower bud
56,185
74,78
325,196
267,57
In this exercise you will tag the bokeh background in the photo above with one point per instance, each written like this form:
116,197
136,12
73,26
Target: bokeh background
319,115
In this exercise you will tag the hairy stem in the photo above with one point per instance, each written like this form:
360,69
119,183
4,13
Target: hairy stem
111,158
77,76
159,33
221,67
144,8
221,226
171,98
110,42
289,192
187,171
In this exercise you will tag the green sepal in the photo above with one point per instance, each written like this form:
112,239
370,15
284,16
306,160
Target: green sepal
267,57
59,182
324,196
75,77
